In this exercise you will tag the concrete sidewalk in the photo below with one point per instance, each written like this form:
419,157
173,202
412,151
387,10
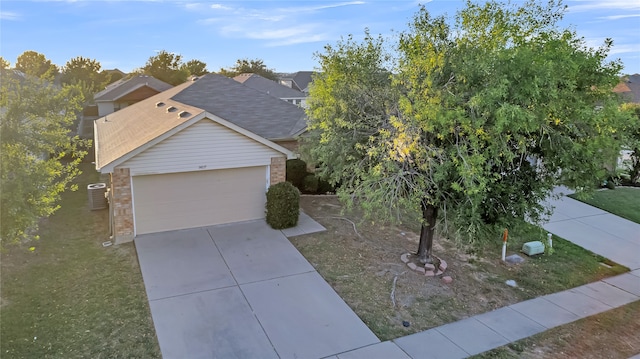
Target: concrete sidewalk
591,228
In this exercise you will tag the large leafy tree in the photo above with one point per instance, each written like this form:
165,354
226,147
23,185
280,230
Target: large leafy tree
167,67
483,117
39,158
254,66
36,64
195,67
86,73
4,64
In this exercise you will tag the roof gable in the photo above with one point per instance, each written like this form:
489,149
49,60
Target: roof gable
204,145
123,87
123,134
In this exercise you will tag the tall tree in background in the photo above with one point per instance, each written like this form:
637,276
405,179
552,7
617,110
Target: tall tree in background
38,157
195,68
4,64
491,113
167,67
85,73
36,64
254,66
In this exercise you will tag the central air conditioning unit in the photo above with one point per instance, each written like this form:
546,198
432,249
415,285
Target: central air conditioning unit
97,198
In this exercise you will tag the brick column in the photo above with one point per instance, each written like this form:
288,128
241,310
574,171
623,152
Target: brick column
122,205
278,170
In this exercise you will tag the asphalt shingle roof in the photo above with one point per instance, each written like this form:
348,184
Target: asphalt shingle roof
124,131
632,88
248,108
269,87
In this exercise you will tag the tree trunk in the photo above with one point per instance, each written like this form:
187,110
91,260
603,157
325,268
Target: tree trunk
425,248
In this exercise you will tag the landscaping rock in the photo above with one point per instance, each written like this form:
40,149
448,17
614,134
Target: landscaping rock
412,266
405,258
443,265
420,270
511,283
429,273
447,280
514,259
430,267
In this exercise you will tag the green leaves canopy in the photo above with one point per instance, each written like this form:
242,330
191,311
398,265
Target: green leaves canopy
39,158
254,66
35,64
480,119
85,73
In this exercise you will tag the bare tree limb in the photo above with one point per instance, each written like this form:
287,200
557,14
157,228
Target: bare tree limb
393,288
348,220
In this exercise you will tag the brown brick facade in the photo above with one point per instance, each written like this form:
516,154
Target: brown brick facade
292,145
121,207
278,170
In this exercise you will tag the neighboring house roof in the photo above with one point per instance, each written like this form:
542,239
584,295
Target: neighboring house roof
244,106
629,88
115,71
269,87
300,80
122,87
262,117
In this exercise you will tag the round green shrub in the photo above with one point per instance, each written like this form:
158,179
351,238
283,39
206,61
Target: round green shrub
296,172
310,184
283,205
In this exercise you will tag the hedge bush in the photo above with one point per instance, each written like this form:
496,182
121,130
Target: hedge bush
310,183
283,205
296,172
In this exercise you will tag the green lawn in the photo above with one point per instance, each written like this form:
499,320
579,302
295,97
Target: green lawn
71,297
622,201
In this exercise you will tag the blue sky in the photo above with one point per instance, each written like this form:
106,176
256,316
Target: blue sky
285,34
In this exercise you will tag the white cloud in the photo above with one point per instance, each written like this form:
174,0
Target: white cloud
617,17
276,26
8,15
299,40
625,49
321,7
586,5
219,7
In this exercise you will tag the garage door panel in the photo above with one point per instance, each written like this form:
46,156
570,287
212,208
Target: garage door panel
194,199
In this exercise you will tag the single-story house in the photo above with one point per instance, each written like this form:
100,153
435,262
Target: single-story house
201,153
126,92
272,88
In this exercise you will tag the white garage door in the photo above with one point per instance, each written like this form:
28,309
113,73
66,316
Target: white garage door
195,199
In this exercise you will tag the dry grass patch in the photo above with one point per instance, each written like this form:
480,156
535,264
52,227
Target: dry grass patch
361,267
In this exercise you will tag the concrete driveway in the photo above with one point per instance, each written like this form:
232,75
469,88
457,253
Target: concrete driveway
242,291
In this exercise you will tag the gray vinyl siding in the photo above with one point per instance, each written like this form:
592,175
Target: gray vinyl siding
205,145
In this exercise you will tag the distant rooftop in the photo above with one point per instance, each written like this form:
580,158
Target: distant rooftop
269,87
122,87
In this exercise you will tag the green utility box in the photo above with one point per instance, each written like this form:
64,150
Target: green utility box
533,248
